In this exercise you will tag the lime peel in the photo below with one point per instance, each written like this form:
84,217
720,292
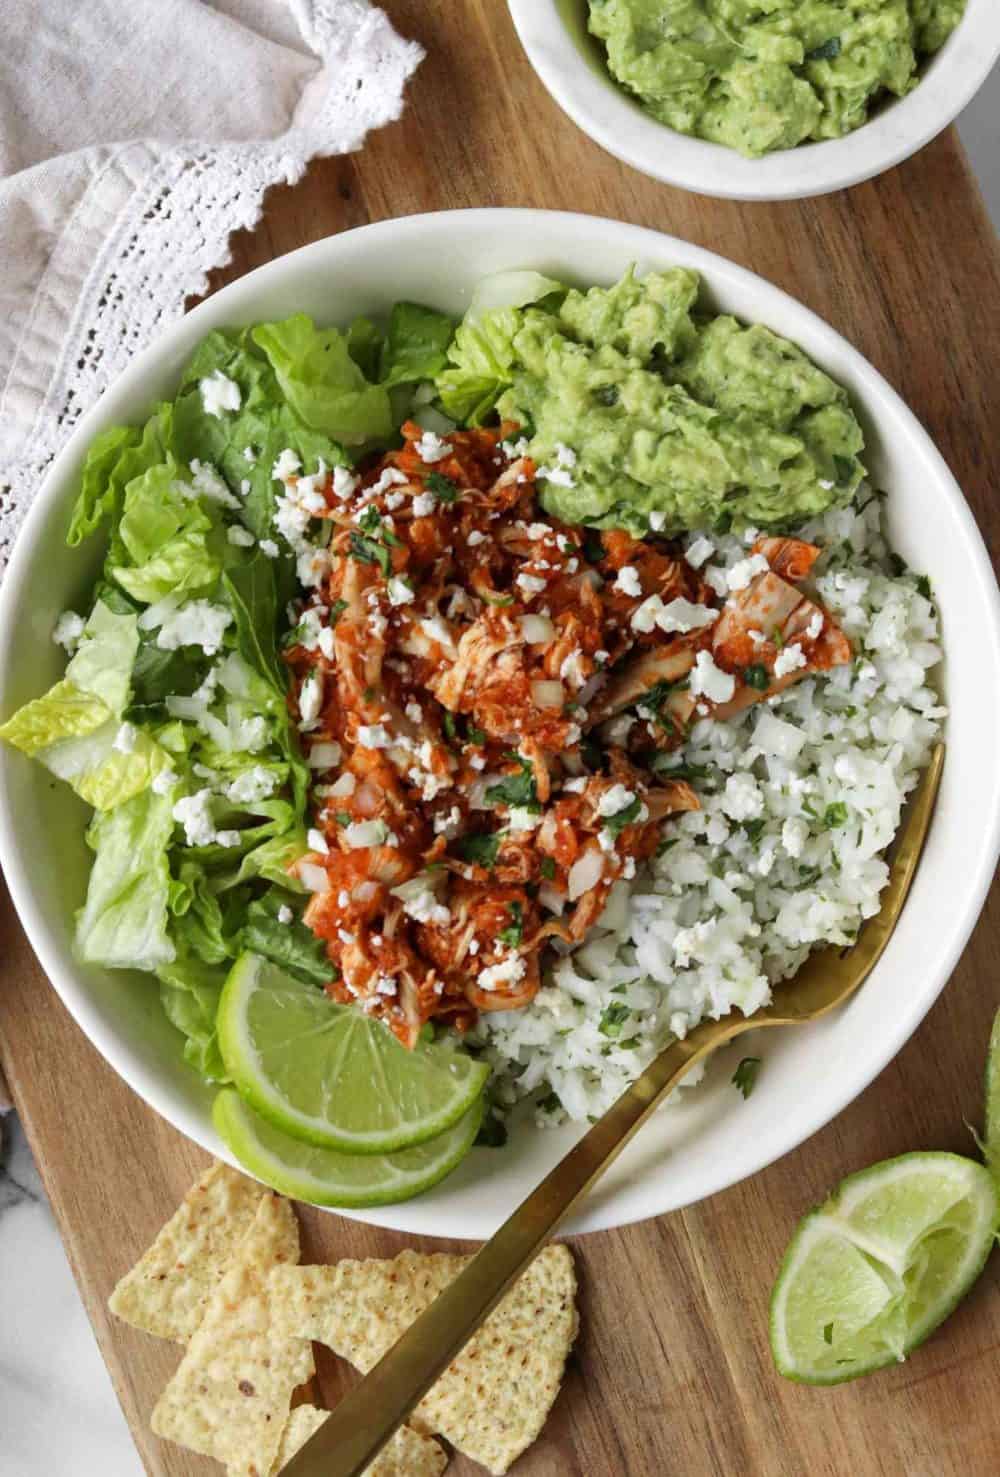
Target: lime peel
875,1269
326,1177
329,1075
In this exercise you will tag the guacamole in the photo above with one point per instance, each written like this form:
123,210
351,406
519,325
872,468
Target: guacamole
640,410
759,75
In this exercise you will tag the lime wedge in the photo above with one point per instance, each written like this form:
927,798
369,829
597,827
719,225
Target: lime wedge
991,1148
877,1267
329,1075
325,1177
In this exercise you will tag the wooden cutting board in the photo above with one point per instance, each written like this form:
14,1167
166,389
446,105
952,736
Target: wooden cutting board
671,1373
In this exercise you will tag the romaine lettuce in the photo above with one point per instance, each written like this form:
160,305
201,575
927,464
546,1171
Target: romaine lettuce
322,383
124,922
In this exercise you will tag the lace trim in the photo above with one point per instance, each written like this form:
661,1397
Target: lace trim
153,222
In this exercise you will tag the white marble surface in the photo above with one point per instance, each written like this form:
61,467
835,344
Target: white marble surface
58,1413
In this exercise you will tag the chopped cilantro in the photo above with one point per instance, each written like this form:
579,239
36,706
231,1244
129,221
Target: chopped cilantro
481,849
809,875
606,394
835,815
475,735
844,467
666,770
745,1076
753,829
443,488
342,817
514,932
777,638
371,519
924,587
757,677
368,551
613,1017
294,636
336,611
448,724
550,1103
615,824
548,868
515,789
665,845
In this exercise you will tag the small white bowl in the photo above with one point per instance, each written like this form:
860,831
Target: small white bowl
711,1138
572,65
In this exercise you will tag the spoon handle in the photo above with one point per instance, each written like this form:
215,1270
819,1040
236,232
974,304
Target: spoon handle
365,1420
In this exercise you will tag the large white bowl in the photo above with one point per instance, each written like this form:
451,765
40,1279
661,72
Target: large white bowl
572,65
713,1138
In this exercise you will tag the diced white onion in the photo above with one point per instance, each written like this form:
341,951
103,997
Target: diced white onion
537,630
585,873
313,878
547,694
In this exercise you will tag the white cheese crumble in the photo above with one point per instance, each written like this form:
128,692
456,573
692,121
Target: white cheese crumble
210,485
286,466
198,623
711,681
194,813
628,581
316,841
430,448
249,455
614,800
270,548
745,570
164,782
285,914
520,818
789,659
68,630
345,484
373,736
257,783
507,972
369,833
530,585
742,799
219,393
424,504
420,900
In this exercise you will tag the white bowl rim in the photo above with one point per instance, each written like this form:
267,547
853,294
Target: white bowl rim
528,225
607,114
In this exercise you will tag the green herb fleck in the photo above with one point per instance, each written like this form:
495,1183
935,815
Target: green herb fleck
593,546
924,587
548,868
745,1076
482,849
448,725
550,1103
615,824
834,815
757,677
613,1017
443,488
754,829
514,933
342,817
336,611
516,789
368,551
606,394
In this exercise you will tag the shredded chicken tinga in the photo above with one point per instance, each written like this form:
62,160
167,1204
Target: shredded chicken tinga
463,678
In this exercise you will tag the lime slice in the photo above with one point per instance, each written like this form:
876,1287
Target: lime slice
331,1076
325,1177
991,1148
877,1267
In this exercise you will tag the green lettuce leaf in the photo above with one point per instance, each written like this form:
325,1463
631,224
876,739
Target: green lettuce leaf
115,459
292,945
322,383
415,346
198,925
364,344
482,354
172,544
189,993
124,922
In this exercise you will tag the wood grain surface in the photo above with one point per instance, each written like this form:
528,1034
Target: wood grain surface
671,1374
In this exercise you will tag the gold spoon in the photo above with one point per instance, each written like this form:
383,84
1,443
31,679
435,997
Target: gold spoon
359,1427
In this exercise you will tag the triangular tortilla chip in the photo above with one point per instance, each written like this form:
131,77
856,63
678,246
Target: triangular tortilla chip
230,1394
168,1289
493,1400
406,1455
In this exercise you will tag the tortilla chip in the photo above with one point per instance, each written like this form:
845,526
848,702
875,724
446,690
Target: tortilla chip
168,1289
230,1394
493,1400
406,1455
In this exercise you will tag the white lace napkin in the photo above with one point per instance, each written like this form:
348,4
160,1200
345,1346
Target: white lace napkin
133,140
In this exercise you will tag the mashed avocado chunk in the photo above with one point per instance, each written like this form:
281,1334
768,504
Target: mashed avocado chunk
642,411
759,75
